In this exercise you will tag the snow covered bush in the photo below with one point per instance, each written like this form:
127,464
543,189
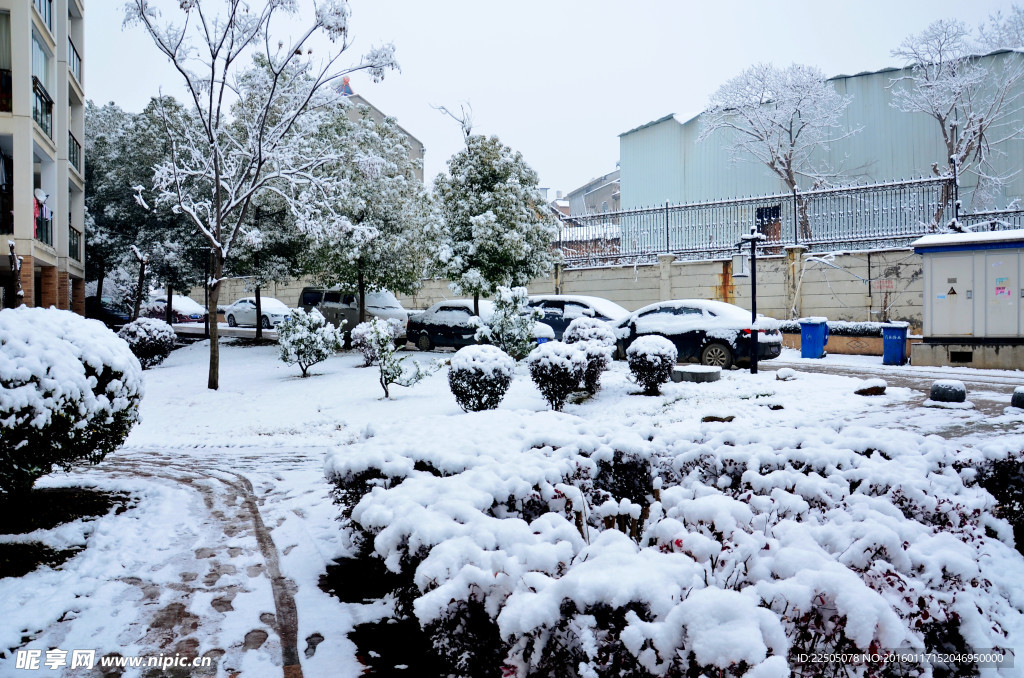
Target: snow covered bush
597,340
557,369
651,359
510,326
71,392
543,545
307,339
381,341
151,340
480,376
361,339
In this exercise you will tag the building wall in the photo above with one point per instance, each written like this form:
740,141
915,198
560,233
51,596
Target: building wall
41,159
664,161
416,147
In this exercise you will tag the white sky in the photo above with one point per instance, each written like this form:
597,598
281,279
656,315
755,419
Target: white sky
559,80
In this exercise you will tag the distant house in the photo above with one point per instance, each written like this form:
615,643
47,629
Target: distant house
596,196
663,161
416,147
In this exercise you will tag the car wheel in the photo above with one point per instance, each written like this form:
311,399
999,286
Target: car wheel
231,321
424,343
716,355
266,323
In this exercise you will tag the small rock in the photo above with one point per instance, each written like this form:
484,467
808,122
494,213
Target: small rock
948,391
785,374
1018,397
696,373
872,387
713,418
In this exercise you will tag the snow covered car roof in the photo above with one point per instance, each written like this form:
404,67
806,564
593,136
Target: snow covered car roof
266,303
608,309
181,304
725,315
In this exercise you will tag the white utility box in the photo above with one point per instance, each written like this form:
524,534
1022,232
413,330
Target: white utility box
973,301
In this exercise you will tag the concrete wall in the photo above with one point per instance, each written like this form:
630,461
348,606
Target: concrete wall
789,285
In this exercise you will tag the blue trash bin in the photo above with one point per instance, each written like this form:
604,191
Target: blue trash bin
894,343
813,337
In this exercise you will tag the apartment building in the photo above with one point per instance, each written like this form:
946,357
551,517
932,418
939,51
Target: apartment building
42,117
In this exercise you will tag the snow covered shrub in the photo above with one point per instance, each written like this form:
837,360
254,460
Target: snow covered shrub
381,341
71,392
598,342
480,376
510,327
1004,480
361,341
557,369
589,329
651,359
151,340
307,339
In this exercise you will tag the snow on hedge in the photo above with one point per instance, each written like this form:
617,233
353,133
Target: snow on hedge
71,390
484,357
663,544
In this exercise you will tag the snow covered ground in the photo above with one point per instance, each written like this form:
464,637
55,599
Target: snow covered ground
233,521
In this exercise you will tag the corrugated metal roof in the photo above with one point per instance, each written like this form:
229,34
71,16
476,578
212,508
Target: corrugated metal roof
649,124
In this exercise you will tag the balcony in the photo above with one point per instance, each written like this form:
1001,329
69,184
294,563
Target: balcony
42,107
74,152
74,242
44,230
74,61
45,9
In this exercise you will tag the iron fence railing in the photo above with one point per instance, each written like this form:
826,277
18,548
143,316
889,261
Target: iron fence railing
996,220
44,229
870,215
74,61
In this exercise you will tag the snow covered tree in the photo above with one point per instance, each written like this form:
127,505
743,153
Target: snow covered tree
497,230
784,118
510,327
259,125
395,216
307,339
379,338
978,106
1003,32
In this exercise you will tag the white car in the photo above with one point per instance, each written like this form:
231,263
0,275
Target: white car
243,312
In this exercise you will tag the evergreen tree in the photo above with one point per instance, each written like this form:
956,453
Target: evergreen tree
497,232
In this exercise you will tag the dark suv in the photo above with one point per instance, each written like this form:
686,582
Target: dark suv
106,311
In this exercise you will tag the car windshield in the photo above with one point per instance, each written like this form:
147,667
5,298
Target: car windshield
382,299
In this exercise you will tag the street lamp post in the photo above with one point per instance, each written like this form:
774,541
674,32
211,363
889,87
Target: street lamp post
752,238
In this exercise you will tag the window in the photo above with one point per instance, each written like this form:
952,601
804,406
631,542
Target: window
311,297
332,298
688,310
40,62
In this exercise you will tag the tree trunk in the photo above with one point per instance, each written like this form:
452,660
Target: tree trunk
259,315
217,265
169,306
361,290
99,283
476,304
138,291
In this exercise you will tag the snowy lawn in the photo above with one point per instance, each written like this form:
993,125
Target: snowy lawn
624,531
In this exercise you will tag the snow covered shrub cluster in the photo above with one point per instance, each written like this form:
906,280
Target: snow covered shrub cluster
651,359
557,369
597,340
510,327
71,392
558,546
381,341
307,339
361,339
151,340
480,376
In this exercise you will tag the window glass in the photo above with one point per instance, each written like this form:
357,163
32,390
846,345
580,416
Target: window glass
688,310
332,297
311,297
40,62
574,310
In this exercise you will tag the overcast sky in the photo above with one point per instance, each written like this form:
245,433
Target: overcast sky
559,80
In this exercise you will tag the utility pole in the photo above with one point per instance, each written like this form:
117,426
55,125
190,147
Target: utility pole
752,238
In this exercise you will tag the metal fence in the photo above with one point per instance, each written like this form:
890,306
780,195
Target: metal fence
861,216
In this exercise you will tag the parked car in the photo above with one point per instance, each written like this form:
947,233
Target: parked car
447,323
561,309
710,332
184,309
106,310
336,306
243,312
